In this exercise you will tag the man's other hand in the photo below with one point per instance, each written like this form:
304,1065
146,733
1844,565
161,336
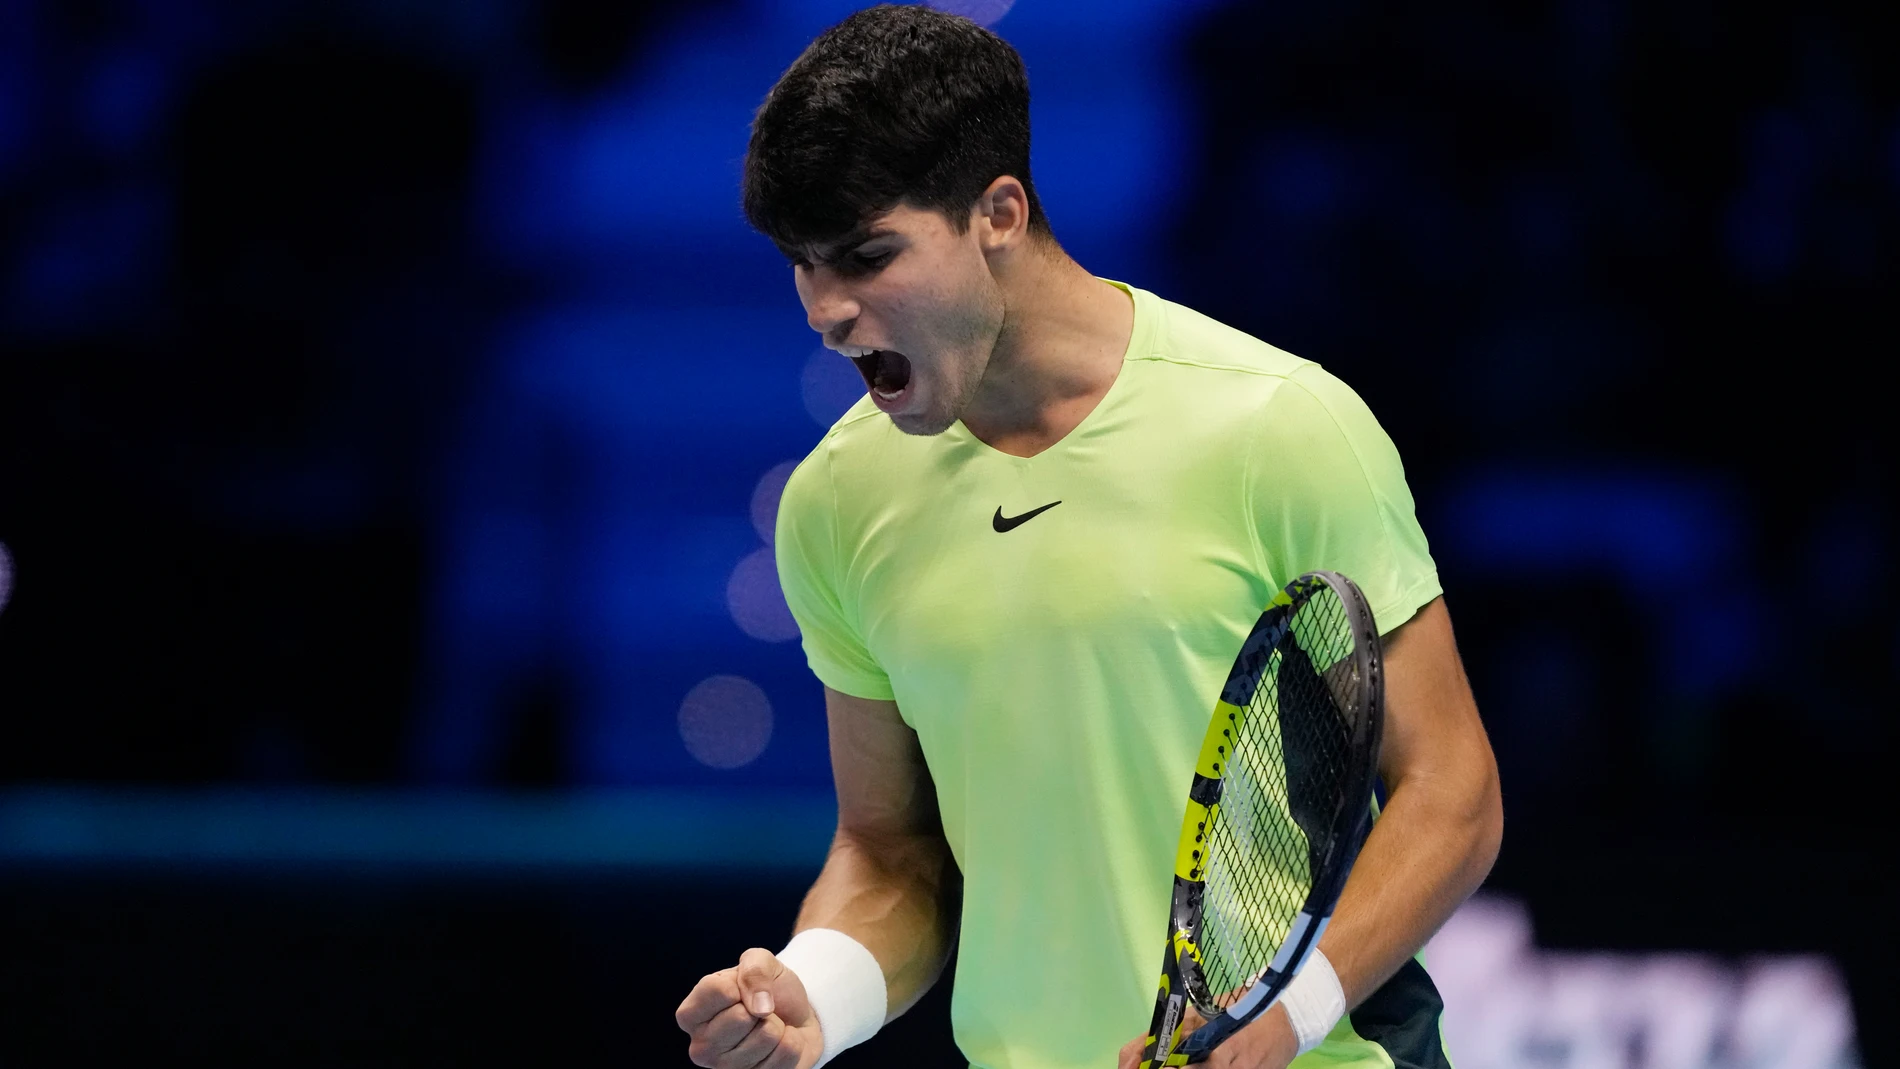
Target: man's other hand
1265,1043
752,1016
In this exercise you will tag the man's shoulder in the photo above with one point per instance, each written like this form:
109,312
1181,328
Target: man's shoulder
862,443
864,433
1186,338
862,424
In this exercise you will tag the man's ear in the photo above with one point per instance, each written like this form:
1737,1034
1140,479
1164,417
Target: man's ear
1001,214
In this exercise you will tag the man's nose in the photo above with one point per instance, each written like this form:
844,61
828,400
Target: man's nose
828,306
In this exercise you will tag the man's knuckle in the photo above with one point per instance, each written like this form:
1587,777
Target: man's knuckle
747,1058
783,1056
731,1023
762,1040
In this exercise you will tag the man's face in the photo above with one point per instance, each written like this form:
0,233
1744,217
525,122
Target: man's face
913,304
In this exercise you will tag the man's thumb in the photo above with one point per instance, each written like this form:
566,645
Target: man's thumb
759,970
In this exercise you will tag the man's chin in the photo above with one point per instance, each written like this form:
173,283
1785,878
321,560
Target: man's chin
924,425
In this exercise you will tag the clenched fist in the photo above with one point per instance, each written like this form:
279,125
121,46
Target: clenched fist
1264,1043
752,1016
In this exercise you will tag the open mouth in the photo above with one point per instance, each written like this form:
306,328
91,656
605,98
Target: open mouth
885,372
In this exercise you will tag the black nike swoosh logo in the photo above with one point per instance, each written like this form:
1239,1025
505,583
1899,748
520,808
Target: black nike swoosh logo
1010,523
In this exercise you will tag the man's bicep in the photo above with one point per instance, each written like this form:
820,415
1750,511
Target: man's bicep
1432,727
884,787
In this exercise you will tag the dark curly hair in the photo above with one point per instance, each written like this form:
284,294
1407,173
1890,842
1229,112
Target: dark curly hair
896,104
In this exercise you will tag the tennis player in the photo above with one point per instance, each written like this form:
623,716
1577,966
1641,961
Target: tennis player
1022,566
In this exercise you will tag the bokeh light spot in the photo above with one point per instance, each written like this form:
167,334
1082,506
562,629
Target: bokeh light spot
765,499
725,721
981,12
830,385
757,604
6,575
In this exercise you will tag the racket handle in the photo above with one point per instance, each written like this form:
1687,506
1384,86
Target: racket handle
1164,1028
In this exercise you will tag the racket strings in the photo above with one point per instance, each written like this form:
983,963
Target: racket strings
1283,786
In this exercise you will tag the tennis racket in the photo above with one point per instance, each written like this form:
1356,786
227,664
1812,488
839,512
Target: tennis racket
1281,800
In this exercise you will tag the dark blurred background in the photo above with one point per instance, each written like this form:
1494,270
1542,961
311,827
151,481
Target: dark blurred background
393,404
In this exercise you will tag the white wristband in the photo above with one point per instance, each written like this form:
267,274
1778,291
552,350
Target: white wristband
1314,1001
844,984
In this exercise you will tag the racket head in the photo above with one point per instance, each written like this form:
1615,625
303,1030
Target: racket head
1280,802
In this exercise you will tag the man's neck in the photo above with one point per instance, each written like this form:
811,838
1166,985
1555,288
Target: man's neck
1064,335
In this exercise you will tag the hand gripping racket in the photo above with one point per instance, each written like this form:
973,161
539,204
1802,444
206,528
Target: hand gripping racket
1281,800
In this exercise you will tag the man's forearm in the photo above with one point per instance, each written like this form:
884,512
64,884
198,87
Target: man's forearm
1430,848
896,895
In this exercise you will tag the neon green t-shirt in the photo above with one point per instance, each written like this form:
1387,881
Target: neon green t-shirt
1059,672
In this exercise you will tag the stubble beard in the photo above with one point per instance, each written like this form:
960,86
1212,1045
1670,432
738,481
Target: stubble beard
981,334
945,410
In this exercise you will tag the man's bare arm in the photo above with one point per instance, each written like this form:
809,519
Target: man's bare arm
1438,834
889,881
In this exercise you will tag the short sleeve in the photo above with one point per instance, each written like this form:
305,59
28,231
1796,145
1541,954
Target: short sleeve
1328,492
810,571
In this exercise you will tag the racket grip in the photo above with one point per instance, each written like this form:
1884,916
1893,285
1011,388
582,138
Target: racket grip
1164,1028
1153,1055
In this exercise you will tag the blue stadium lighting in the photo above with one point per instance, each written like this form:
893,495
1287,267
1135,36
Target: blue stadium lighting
981,12
829,386
756,601
726,722
408,830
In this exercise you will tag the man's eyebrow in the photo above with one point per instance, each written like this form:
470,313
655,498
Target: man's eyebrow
845,246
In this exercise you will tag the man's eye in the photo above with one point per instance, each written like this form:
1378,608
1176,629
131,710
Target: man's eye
867,261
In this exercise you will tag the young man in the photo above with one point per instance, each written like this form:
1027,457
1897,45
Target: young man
1022,566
